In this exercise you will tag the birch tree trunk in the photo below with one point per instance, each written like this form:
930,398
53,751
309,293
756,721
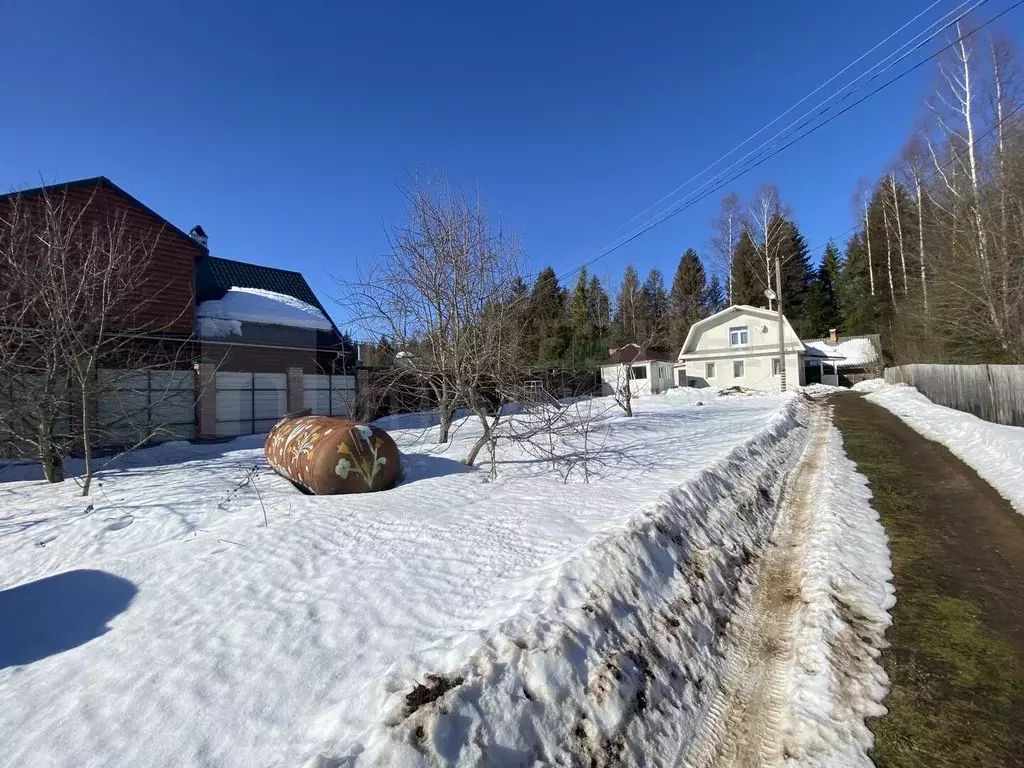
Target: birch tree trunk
899,228
888,255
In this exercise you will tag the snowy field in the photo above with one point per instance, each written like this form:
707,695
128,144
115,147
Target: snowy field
160,622
994,451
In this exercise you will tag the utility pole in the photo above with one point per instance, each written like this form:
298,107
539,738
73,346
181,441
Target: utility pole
782,342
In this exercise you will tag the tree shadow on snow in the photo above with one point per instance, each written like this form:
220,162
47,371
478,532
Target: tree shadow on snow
168,455
422,466
58,613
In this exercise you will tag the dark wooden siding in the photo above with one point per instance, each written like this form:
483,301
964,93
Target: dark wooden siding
163,303
166,300
234,357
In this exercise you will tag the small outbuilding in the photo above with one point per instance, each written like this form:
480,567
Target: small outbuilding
843,361
649,372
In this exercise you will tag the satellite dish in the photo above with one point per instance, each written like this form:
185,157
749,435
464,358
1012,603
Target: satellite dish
769,294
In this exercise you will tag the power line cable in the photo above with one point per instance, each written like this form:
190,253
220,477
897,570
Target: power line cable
802,121
763,152
763,128
956,158
675,211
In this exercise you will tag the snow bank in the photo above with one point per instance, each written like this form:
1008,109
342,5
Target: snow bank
622,663
871,385
994,451
856,352
222,317
847,591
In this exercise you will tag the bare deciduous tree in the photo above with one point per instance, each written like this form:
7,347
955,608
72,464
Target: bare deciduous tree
444,295
76,329
767,230
726,230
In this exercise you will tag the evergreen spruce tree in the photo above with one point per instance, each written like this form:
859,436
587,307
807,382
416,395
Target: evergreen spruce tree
746,288
689,296
858,307
821,306
384,354
796,278
599,311
582,333
714,300
548,330
579,310
656,309
629,327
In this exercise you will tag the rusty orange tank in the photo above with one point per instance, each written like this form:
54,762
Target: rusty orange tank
327,455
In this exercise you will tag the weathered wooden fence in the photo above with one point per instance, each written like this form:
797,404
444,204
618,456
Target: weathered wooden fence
991,392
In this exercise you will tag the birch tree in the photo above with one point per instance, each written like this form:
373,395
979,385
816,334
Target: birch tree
726,230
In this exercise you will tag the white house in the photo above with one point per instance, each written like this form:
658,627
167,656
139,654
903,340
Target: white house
648,373
739,346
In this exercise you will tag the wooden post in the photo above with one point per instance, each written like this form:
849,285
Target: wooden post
206,401
782,335
295,389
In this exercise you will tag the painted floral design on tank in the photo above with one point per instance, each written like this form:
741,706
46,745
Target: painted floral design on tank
365,466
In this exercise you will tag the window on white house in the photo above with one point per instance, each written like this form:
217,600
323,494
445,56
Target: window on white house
775,366
639,372
737,369
709,370
738,336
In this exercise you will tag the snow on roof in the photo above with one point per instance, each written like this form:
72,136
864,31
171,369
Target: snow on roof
222,317
848,353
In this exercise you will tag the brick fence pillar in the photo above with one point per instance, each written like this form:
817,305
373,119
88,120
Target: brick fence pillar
295,389
206,401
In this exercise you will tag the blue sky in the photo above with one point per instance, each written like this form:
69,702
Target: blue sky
287,128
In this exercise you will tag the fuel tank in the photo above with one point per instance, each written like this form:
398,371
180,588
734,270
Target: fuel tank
326,455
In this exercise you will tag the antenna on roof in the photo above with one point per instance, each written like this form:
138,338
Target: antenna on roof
198,234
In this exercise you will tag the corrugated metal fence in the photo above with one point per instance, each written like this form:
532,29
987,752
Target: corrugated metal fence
329,395
249,403
991,392
139,405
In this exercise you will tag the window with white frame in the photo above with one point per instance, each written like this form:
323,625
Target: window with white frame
775,366
737,369
639,372
739,335
709,370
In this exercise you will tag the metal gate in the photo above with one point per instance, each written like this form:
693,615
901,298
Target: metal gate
329,395
249,403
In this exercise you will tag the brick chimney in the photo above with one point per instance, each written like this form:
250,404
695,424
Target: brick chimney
833,336
198,234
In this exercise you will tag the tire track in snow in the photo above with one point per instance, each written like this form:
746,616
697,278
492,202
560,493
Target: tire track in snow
747,713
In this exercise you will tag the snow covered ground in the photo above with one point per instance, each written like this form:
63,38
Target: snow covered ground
161,623
994,451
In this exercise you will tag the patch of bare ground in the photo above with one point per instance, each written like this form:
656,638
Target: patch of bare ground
956,647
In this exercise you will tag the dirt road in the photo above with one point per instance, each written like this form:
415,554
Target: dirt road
750,703
956,661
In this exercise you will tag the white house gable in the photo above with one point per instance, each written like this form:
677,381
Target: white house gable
737,330
740,346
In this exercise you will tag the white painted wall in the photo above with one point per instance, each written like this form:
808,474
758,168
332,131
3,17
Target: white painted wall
757,370
657,378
